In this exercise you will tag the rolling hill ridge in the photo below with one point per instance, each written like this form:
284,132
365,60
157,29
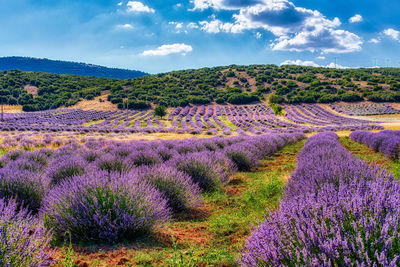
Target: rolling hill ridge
226,84
66,67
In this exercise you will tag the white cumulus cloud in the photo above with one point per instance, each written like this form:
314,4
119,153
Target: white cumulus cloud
299,62
168,49
306,63
356,18
124,26
216,26
326,40
295,28
222,4
135,6
392,33
192,25
374,41
335,66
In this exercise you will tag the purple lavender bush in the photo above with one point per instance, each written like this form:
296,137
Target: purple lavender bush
324,160
340,216
91,155
147,158
177,187
386,142
112,163
243,159
93,207
353,225
210,170
23,241
14,154
27,188
23,163
165,154
64,167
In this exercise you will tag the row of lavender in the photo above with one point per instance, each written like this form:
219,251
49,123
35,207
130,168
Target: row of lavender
259,119
105,191
75,120
316,115
386,142
256,119
336,211
363,109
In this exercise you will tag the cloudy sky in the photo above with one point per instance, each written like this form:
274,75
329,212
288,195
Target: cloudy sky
163,35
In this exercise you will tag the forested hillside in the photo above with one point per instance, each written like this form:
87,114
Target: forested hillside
66,67
245,84
231,84
41,91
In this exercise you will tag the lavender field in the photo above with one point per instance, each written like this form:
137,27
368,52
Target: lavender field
205,119
240,188
200,133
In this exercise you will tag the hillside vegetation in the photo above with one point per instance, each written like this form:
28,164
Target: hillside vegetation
231,84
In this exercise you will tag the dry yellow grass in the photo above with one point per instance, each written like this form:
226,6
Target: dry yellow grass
12,108
391,125
122,137
94,104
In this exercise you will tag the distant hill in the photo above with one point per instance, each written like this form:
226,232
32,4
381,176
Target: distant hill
66,67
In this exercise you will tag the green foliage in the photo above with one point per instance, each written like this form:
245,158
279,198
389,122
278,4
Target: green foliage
53,90
242,98
68,260
138,104
351,97
276,99
277,109
287,84
198,100
160,111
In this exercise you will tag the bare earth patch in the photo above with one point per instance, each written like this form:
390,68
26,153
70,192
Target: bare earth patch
33,90
95,104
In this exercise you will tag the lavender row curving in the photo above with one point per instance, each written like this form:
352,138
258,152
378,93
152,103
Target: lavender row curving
364,109
336,211
211,119
386,142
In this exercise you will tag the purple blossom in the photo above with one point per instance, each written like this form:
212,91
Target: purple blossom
94,207
27,188
386,142
23,241
336,211
209,170
177,187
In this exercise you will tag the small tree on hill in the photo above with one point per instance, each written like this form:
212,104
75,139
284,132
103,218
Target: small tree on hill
160,111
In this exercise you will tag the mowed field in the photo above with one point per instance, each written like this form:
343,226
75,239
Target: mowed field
111,187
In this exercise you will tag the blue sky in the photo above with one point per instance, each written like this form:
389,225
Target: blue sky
159,36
